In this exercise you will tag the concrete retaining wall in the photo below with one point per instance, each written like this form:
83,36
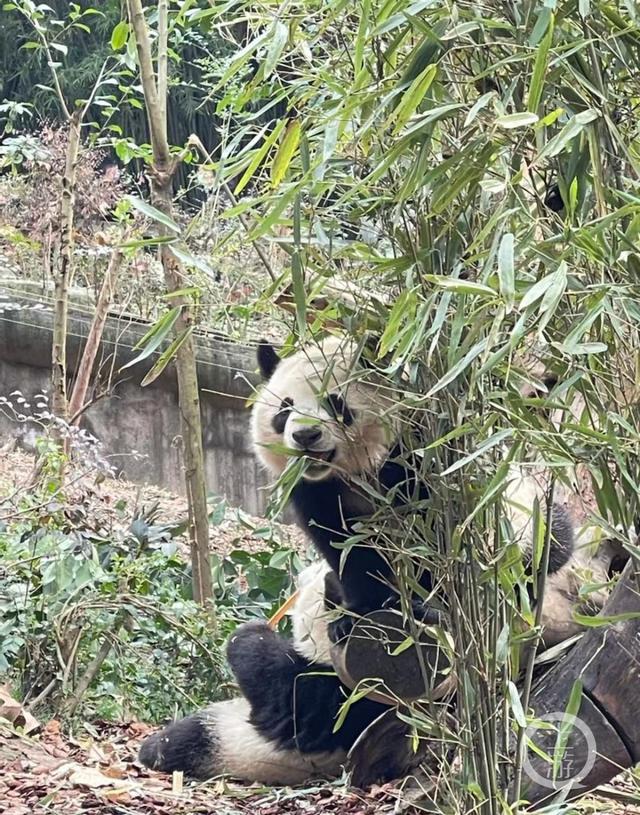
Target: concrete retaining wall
136,418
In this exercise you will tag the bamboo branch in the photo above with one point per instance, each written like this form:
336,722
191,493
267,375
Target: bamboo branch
96,663
153,106
163,32
195,141
62,281
525,695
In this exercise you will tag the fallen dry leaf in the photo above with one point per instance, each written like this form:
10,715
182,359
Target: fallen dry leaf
93,778
115,770
118,796
15,713
52,728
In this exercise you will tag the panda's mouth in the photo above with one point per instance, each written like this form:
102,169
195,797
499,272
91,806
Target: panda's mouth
319,459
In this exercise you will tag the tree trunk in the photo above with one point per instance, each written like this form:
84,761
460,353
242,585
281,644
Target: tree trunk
64,271
161,174
189,401
83,376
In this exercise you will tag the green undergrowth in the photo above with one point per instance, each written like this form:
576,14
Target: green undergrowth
97,618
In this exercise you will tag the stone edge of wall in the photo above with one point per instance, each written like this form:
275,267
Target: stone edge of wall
226,368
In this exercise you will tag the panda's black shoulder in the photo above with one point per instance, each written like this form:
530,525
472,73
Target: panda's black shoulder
400,474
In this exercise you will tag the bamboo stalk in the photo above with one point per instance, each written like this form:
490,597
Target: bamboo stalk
189,400
83,375
62,280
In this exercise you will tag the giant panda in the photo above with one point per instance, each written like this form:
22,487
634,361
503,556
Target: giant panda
322,404
321,408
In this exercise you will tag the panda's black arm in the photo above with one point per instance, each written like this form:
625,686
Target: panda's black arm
294,703
322,509
260,661
400,476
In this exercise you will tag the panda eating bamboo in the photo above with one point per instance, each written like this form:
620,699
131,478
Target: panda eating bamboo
321,408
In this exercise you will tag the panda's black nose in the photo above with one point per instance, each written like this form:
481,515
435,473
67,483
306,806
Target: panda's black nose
307,436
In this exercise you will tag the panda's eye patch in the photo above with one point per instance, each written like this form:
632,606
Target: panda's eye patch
339,409
280,419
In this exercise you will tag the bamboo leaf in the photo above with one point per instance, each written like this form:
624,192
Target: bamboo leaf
573,128
553,295
412,97
482,448
589,621
582,348
354,697
279,35
540,69
119,35
166,356
461,286
458,368
188,259
240,59
153,213
259,157
536,291
478,105
513,120
516,705
285,153
506,270
155,336
358,52
297,269
567,725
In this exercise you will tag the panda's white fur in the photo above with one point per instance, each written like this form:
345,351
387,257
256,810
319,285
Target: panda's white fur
238,750
589,564
309,618
320,369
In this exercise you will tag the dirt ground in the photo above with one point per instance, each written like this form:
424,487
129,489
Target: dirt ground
100,499
96,772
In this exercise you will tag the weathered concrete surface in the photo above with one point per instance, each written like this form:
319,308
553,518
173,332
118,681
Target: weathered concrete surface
136,418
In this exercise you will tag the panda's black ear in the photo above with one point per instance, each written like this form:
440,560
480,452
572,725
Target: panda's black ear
267,359
369,354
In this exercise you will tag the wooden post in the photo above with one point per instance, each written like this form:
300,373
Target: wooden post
605,738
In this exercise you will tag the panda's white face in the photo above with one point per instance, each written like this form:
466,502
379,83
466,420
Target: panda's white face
316,405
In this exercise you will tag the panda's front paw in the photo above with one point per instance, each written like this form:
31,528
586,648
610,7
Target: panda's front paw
422,610
340,628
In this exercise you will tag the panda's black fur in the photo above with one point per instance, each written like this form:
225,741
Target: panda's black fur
328,511
282,730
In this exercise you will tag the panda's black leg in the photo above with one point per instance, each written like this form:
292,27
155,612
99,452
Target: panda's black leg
262,662
293,702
